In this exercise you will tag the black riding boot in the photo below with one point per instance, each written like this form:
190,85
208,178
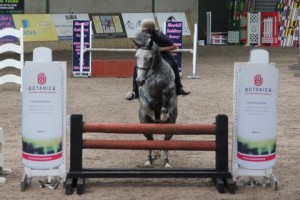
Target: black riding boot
134,94
179,88
135,87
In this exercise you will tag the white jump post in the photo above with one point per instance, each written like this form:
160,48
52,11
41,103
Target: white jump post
195,39
193,51
81,47
208,27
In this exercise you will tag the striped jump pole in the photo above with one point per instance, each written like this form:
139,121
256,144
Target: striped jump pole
220,174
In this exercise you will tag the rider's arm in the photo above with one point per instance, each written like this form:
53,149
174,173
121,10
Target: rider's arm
168,48
164,42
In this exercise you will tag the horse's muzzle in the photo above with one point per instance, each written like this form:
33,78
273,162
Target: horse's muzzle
140,82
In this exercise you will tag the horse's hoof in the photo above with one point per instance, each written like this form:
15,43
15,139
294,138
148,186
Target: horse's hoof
164,116
167,165
147,163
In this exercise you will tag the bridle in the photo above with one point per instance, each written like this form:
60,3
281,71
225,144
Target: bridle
147,69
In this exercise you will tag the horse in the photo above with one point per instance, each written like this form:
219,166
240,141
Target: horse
157,90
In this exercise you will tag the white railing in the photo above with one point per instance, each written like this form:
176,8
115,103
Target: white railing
193,51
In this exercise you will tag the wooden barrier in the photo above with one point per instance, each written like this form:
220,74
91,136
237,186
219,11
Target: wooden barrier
220,174
113,68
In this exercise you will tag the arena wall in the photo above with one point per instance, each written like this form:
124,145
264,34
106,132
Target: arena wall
112,6
104,6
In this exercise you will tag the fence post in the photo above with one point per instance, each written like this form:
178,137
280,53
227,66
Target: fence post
76,143
221,143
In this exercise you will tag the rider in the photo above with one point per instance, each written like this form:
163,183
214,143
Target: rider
165,46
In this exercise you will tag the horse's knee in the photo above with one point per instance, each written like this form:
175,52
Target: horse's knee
152,103
167,92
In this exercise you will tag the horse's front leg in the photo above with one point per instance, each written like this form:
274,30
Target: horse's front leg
148,103
168,92
166,153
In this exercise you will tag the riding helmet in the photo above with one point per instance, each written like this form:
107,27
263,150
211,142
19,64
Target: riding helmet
148,24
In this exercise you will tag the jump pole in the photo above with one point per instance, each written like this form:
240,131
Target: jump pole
78,172
193,51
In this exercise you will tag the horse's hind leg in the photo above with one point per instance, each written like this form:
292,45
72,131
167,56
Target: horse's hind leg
166,159
149,161
166,153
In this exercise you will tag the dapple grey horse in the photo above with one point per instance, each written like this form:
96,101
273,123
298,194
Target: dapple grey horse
157,90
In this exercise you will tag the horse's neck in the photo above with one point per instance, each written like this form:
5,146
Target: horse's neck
157,62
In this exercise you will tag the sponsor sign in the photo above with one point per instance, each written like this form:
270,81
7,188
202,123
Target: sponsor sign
42,114
108,25
132,22
86,68
176,16
11,6
256,94
37,27
64,24
174,31
6,21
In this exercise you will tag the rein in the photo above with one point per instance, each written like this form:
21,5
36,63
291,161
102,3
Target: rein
145,69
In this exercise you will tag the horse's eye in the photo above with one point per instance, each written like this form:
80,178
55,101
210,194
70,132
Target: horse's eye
149,61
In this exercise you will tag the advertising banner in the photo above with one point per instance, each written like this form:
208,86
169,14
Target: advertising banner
177,17
11,6
64,24
6,21
256,94
132,22
42,114
86,67
174,31
107,25
37,27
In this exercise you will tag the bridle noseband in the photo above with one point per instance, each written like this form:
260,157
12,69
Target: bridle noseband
145,69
